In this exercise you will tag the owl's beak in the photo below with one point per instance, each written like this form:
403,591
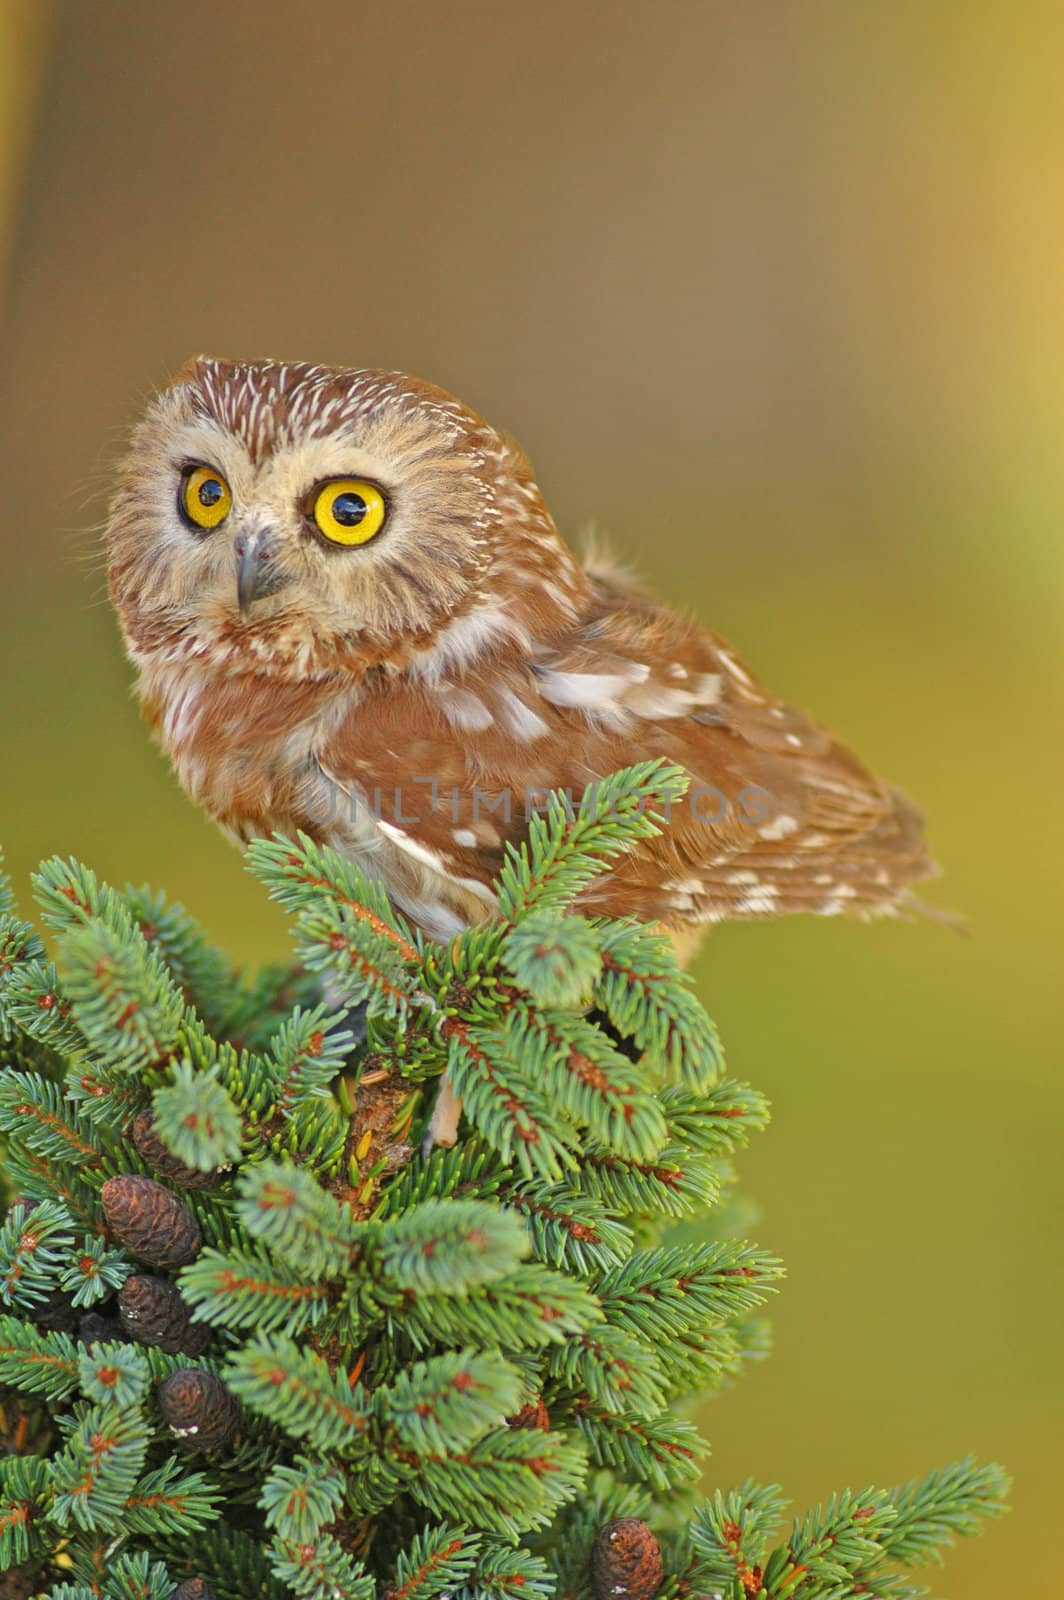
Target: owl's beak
256,575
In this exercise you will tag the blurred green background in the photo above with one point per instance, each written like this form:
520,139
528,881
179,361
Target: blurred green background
773,295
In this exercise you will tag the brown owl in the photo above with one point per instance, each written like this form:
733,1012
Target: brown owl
351,613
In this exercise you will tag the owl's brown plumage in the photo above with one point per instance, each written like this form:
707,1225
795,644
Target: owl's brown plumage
409,697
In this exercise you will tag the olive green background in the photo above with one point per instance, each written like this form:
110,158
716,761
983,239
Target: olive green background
772,293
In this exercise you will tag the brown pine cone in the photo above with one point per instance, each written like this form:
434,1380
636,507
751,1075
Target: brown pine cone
146,1142
153,1312
626,1561
192,1589
153,1224
199,1408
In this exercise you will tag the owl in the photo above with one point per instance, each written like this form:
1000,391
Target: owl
350,613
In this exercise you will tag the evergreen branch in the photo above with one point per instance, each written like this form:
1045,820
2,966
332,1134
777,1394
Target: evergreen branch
470,1169
700,1359
20,944
530,1307
171,1500
556,959
233,1563
300,1500
245,1289
95,1473
70,895
295,1389
7,893
730,1534
508,1481
196,1119
570,1230
125,1001
39,1179
450,1248
303,1224
202,973
948,1504
439,1560
830,1547
113,1372
446,1403
24,1493
567,848
614,1369
717,1121
34,1003
662,1452
309,874
307,1052
320,1569
587,1078
511,1112
104,1099
676,1183
137,1577
503,1573
94,1273
659,1292
34,1108
358,960
34,1244
113,1576
648,998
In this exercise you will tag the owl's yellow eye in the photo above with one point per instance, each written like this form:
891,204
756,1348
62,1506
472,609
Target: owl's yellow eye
349,511
205,497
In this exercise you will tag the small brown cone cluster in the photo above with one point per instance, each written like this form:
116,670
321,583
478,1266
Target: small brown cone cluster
146,1141
626,1561
198,1408
153,1312
155,1225
192,1589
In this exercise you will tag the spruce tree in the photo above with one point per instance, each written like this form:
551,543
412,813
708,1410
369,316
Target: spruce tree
254,1342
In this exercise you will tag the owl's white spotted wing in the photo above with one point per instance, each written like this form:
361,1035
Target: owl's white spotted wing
780,816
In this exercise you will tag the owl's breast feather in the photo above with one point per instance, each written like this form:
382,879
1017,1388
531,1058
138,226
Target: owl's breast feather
249,751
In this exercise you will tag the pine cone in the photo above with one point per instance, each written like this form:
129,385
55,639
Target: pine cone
153,1312
153,1224
192,1589
199,1408
626,1561
146,1142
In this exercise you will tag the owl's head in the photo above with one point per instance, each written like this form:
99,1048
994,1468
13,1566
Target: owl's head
289,518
